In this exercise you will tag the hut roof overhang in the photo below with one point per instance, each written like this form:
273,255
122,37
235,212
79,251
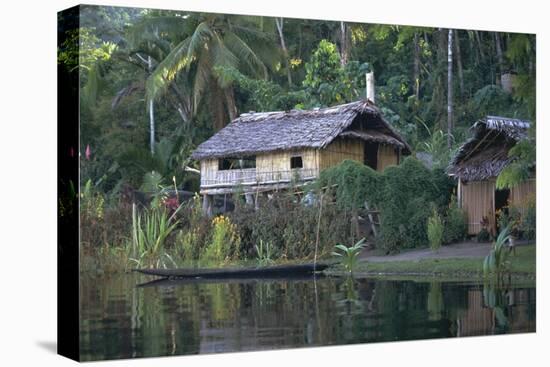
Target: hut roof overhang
485,154
263,132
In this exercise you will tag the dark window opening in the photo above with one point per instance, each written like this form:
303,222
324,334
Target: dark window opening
371,155
236,163
296,162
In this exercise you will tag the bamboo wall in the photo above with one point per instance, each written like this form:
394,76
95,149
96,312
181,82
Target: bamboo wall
274,167
270,167
523,194
280,161
387,156
478,200
339,150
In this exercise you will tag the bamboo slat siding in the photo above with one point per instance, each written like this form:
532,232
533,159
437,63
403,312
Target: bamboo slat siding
270,168
339,150
478,200
273,168
387,156
523,194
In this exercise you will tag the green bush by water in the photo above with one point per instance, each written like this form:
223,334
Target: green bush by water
435,230
403,194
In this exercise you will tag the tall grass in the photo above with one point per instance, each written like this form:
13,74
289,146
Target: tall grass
150,229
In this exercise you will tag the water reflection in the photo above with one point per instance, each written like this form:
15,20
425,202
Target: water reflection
120,320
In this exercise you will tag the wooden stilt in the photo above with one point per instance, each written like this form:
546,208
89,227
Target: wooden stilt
207,205
371,219
249,199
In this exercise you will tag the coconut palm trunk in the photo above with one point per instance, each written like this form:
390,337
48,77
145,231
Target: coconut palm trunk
450,88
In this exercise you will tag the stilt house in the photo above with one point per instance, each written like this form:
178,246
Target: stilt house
477,164
260,152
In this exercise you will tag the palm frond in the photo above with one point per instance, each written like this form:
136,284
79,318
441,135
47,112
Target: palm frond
175,26
202,75
165,72
199,39
243,51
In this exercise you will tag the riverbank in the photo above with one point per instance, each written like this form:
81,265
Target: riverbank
442,265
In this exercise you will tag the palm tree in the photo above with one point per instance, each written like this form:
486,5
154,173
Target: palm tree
201,47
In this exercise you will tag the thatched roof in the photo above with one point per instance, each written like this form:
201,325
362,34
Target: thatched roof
253,133
485,154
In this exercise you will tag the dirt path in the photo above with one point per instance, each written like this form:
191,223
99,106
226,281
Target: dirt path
459,250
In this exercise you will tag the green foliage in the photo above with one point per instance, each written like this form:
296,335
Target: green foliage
455,224
403,194
523,156
225,240
150,229
496,263
436,145
327,82
491,98
435,230
352,182
290,227
261,95
91,201
528,224
264,253
483,235
408,193
195,232
349,255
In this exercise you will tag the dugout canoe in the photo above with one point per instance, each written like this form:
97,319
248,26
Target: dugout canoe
171,282
249,272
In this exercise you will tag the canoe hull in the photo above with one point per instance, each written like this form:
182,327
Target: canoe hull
268,271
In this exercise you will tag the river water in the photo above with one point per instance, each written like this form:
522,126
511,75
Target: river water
121,320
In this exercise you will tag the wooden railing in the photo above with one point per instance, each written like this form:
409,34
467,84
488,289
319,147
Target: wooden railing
250,176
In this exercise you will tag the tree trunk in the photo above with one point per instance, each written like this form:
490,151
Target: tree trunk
344,49
416,71
500,58
279,23
230,102
216,99
459,63
480,45
450,89
151,113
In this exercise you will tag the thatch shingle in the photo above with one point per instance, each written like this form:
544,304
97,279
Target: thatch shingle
485,154
253,133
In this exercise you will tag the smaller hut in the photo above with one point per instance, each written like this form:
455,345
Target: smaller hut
477,164
267,151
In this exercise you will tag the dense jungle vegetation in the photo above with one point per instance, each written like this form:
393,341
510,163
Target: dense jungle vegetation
156,83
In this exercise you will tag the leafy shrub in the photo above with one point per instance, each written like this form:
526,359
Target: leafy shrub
290,227
195,231
403,195
435,230
483,235
102,225
455,224
224,242
528,225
